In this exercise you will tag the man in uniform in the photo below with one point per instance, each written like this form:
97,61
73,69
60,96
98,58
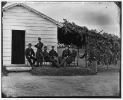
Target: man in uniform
47,58
94,57
65,55
30,54
53,54
39,55
72,56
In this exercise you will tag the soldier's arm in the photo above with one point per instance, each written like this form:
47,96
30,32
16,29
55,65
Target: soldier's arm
33,52
26,52
36,45
56,54
50,53
42,44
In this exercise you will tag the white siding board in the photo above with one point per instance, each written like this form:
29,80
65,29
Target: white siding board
28,16
23,18
6,42
6,58
6,62
5,54
46,40
32,32
22,14
26,21
29,25
7,46
45,43
28,28
6,50
7,35
43,39
6,39
42,35
41,32
7,31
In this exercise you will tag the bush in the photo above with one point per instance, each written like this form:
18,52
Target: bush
68,71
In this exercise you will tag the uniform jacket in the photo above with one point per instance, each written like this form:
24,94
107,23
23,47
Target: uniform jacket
39,45
53,53
73,53
39,49
45,54
66,53
29,52
93,55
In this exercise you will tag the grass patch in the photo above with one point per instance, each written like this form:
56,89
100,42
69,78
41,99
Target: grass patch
68,71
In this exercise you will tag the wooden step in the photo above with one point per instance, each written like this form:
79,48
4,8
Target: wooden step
18,68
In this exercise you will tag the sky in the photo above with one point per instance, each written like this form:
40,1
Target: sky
94,15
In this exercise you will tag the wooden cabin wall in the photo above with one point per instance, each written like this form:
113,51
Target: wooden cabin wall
19,18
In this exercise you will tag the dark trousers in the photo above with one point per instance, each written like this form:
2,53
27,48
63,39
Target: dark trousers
30,58
53,61
39,61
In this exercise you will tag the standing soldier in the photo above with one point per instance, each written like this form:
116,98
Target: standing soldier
39,54
94,57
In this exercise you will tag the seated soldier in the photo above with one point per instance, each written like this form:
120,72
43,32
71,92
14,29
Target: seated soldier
30,54
65,55
47,58
53,54
72,56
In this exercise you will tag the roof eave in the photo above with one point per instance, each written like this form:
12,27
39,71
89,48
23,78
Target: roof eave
35,11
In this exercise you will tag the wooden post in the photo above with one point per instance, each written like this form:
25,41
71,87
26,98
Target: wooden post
86,55
78,57
107,66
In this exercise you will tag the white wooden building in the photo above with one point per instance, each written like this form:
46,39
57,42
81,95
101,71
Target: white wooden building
22,25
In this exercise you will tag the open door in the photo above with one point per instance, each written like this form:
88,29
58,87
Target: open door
18,47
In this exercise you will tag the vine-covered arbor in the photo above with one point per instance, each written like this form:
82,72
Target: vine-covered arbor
108,45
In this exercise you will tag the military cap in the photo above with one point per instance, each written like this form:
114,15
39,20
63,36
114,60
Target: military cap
52,46
29,44
39,38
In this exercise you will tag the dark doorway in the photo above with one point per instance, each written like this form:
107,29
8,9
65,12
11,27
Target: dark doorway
18,47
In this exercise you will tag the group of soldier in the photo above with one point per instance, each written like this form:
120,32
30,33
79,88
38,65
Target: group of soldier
43,55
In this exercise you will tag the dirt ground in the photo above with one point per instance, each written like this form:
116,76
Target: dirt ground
106,83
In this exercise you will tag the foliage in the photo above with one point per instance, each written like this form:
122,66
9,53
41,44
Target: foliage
108,45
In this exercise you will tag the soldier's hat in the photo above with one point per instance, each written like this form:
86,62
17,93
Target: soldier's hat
39,38
29,44
45,46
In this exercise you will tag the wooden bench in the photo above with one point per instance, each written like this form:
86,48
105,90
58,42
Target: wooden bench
44,63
